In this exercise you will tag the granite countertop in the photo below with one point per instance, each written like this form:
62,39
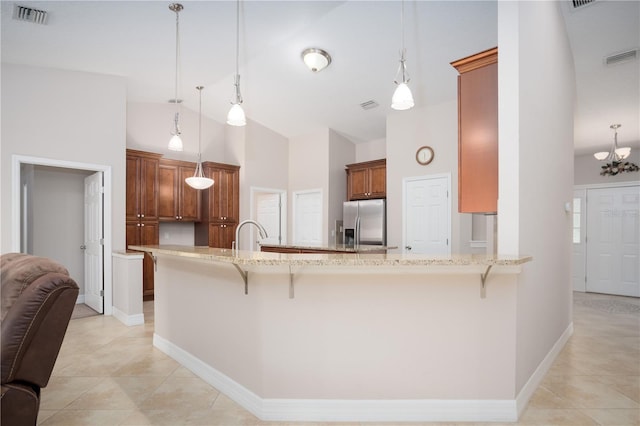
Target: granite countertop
362,248
257,258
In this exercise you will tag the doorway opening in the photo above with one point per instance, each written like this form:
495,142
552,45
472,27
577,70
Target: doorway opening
56,189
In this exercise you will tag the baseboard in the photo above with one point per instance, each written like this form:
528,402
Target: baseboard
536,378
128,320
311,410
80,299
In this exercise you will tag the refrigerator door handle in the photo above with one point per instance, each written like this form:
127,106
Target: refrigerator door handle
357,232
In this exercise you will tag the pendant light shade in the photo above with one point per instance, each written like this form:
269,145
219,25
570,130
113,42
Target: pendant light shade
236,116
402,98
175,143
198,180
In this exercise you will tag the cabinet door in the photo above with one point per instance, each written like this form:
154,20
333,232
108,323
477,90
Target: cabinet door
378,182
133,188
189,200
168,192
149,188
133,234
224,195
221,235
149,235
358,184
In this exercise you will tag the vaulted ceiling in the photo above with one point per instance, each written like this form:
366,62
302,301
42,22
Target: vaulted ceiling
136,40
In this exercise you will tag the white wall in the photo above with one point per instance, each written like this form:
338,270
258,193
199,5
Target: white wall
308,169
372,150
149,126
436,126
587,170
535,118
341,152
63,115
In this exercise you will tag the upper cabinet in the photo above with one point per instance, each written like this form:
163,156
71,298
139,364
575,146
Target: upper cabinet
220,206
478,132
367,180
177,201
142,185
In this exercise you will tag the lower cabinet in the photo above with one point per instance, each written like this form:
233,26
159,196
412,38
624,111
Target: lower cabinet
144,233
222,235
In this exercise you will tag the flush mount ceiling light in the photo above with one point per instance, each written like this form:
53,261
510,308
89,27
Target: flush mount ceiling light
615,156
175,143
402,98
198,180
316,59
236,116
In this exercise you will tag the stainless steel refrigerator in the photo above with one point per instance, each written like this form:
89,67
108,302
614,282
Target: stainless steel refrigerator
365,222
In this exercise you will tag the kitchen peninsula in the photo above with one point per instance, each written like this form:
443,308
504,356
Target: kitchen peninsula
334,248
343,337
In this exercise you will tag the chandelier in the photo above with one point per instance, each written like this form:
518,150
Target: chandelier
615,157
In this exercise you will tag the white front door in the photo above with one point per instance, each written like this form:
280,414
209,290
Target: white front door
427,213
93,242
613,233
307,218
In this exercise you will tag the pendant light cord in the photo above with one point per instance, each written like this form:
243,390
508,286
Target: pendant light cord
238,99
175,99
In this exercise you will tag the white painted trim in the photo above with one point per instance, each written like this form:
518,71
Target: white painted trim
404,204
477,244
17,161
332,410
80,299
128,320
534,381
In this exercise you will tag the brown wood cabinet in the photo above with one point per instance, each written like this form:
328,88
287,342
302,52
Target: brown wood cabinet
142,225
367,180
220,206
478,132
177,201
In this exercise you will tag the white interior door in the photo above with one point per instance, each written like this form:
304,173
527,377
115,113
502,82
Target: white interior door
93,242
307,218
579,273
427,213
613,233
269,212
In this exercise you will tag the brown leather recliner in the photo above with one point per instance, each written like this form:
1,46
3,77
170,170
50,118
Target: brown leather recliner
38,297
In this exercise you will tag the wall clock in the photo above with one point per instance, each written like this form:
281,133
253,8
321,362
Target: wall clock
424,155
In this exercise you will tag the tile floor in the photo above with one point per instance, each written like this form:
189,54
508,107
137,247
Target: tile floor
110,374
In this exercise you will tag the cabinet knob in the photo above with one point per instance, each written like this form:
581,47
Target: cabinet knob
142,224
137,224
141,215
138,215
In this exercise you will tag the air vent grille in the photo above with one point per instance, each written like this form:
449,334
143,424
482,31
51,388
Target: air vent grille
580,3
29,14
369,104
629,55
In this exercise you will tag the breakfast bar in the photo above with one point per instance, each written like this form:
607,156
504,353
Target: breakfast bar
343,337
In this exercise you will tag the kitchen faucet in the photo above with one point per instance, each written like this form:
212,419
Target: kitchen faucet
261,230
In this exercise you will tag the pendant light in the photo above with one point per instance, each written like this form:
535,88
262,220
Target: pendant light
615,156
236,115
198,180
175,143
402,98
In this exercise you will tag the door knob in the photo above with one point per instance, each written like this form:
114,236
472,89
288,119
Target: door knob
407,247
83,247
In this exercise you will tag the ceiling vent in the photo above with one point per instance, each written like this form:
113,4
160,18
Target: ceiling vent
629,55
29,14
580,3
369,104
